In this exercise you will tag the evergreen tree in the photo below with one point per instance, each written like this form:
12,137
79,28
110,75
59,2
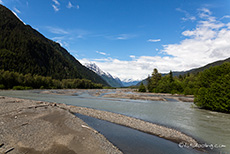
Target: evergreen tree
214,93
154,80
142,88
171,77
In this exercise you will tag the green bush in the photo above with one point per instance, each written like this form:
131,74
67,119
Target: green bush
28,88
18,88
2,86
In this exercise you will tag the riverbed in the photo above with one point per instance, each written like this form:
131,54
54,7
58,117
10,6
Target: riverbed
208,127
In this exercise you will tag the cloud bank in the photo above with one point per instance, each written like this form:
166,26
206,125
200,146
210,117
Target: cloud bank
206,43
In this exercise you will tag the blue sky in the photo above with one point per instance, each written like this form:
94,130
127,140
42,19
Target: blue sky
129,38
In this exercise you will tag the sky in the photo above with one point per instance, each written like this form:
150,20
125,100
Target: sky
129,38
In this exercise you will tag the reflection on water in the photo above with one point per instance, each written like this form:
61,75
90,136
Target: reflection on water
131,141
206,126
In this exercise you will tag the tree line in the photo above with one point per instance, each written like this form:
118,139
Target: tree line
211,88
18,81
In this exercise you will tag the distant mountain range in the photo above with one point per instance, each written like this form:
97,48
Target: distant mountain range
113,82
200,69
130,82
25,50
192,71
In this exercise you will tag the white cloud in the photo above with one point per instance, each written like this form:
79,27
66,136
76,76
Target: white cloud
56,9
16,10
63,43
206,43
192,18
121,38
188,16
66,37
1,2
102,53
124,36
132,56
56,2
70,5
154,40
56,30
226,16
205,11
136,69
56,5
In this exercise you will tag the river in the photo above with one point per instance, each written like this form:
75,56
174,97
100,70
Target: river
210,128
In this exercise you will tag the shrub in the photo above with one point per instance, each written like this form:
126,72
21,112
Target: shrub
18,88
2,86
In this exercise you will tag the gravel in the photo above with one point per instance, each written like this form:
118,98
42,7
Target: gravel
42,127
36,127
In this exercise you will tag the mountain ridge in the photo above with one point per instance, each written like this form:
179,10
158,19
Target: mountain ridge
192,71
113,82
25,50
202,68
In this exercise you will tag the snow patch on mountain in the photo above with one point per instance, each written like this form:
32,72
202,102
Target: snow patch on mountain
112,81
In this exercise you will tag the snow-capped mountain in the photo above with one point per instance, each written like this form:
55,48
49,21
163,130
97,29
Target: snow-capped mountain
130,82
96,69
113,82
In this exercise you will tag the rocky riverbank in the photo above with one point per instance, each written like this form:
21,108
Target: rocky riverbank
36,127
122,93
40,127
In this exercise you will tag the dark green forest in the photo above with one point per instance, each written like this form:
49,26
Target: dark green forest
18,81
25,50
210,87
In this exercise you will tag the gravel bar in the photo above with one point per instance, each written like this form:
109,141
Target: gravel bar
35,127
141,125
22,121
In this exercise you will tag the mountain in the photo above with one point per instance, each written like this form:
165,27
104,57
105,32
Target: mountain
113,82
130,82
25,50
119,81
192,71
200,69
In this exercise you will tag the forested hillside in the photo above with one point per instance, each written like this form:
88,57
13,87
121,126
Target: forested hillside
192,71
17,81
211,87
24,50
196,70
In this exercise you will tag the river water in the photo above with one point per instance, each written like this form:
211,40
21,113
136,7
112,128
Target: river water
210,128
